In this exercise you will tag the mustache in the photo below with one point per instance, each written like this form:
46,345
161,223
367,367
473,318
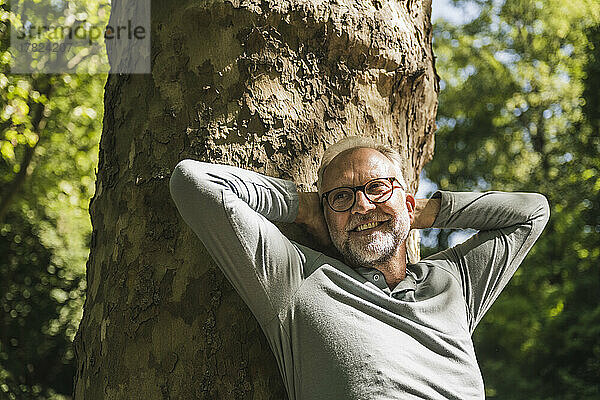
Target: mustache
366,218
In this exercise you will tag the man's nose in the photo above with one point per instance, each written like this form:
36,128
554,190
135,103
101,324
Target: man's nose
362,205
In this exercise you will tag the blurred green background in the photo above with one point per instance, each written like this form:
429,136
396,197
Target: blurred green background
519,111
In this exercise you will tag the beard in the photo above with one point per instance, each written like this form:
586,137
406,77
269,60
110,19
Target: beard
376,247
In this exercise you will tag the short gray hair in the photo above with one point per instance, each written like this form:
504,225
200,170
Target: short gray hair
354,142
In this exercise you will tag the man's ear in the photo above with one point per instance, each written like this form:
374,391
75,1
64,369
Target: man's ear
410,206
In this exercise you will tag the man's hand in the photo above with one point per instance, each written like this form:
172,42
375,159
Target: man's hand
426,210
311,217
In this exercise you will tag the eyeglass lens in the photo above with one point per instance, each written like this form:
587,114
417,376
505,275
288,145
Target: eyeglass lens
377,191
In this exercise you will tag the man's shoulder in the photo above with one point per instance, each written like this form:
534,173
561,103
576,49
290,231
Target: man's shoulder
311,258
314,259
441,261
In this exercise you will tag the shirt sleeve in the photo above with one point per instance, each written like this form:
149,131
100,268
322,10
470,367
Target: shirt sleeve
508,224
230,209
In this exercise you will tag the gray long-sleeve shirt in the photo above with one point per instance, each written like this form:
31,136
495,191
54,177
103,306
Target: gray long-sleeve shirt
341,333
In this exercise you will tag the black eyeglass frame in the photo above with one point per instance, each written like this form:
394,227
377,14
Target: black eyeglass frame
355,189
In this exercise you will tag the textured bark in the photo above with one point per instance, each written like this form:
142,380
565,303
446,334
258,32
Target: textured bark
263,85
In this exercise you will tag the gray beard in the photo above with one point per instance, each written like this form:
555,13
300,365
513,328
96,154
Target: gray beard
376,248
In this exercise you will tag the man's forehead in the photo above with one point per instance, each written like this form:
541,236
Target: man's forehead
358,164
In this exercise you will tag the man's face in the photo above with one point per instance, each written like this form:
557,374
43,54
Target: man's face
373,246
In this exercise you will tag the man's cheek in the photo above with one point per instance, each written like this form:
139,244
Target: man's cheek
334,224
329,223
337,229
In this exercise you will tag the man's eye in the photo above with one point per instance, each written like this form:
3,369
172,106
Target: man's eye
340,196
377,187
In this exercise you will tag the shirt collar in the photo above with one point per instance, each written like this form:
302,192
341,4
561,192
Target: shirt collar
373,275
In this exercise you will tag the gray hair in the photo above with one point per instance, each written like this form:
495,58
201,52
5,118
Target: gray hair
353,142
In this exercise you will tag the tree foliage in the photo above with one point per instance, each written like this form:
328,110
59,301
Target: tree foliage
49,132
40,302
519,111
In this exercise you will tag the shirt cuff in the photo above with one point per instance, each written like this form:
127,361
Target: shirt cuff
446,208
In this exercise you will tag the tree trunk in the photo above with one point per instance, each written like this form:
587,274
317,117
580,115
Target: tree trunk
262,85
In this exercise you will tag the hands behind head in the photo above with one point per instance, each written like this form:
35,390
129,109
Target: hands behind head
310,216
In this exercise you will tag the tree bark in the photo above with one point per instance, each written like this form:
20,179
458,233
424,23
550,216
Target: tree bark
262,85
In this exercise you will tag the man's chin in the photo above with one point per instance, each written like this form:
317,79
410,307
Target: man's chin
365,262
372,252
366,258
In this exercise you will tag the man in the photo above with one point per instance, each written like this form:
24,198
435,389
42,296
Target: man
370,326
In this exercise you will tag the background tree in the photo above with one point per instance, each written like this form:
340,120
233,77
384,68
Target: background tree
261,85
49,133
519,111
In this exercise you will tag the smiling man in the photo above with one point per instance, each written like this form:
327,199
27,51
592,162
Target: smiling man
369,325
367,223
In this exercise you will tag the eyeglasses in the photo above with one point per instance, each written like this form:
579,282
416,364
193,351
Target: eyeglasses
378,190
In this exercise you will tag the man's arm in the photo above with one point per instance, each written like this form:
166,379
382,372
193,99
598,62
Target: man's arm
426,211
230,209
508,224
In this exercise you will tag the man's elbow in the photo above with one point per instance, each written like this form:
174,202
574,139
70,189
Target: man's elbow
189,183
541,210
180,178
